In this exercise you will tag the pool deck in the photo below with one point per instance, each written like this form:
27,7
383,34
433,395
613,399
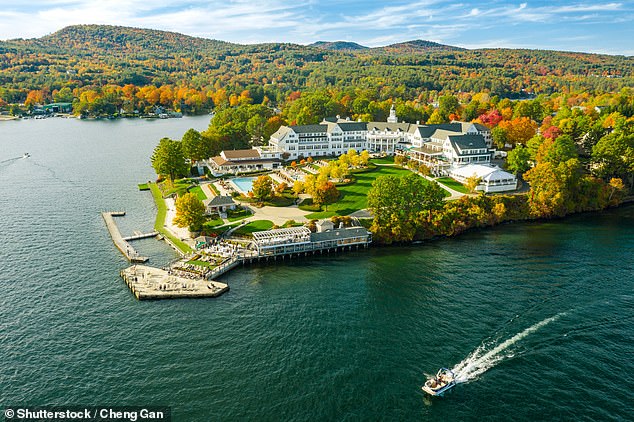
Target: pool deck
149,283
240,188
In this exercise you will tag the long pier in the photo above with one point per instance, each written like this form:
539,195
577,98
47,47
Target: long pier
119,241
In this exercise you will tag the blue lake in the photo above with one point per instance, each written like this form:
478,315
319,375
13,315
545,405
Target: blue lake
546,309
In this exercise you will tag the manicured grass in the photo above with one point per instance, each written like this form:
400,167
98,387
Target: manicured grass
320,215
199,192
214,188
179,187
383,160
160,219
213,223
238,214
354,197
143,186
453,184
217,231
254,226
201,263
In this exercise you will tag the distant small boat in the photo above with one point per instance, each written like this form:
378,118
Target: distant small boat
26,155
442,382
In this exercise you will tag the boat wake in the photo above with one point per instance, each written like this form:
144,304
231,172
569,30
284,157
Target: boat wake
11,159
489,354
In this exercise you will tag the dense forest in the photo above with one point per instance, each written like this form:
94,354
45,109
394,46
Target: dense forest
105,69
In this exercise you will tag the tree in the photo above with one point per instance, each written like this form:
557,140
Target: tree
168,159
364,157
281,188
500,137
447,104
519,130
556,151
472,183
189,212
395,203
195,146
553,187
433,199
328,193
400,160
424,170
262,188
613,156
298,187
518,160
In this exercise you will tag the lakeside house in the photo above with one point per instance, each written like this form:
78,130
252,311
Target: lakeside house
243,161
219,204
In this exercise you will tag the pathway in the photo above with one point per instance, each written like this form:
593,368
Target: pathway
180,232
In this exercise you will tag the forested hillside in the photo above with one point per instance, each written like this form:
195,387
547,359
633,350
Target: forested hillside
105,68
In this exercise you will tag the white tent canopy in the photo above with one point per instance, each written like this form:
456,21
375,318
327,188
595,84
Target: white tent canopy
493,178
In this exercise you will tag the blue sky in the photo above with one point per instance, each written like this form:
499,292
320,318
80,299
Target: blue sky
591,26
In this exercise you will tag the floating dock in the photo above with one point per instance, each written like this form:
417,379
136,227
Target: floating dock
122,242
149,283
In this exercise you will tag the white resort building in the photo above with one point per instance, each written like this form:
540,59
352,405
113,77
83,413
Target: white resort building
456,149
440,146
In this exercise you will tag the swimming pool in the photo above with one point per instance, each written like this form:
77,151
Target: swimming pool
243,184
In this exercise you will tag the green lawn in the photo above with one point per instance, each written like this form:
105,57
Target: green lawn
160,219
239,214
254,226
199,192
383,160
354,197
453,184
213,223
201,263
214,188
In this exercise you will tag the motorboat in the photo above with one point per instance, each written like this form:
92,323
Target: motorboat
26,155
442,382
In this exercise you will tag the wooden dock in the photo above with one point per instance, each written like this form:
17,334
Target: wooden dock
119,241
149,283
138,236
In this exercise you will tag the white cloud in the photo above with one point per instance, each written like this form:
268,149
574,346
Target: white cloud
367,22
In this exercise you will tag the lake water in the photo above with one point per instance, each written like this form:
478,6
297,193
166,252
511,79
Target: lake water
338,337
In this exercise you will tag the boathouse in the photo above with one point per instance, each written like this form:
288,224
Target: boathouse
301,239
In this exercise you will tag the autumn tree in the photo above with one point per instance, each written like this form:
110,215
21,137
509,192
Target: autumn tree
519,130
262,188
395,203
472,183
189,212
168,159
327,193
281,188
553,187
298,187
556,151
